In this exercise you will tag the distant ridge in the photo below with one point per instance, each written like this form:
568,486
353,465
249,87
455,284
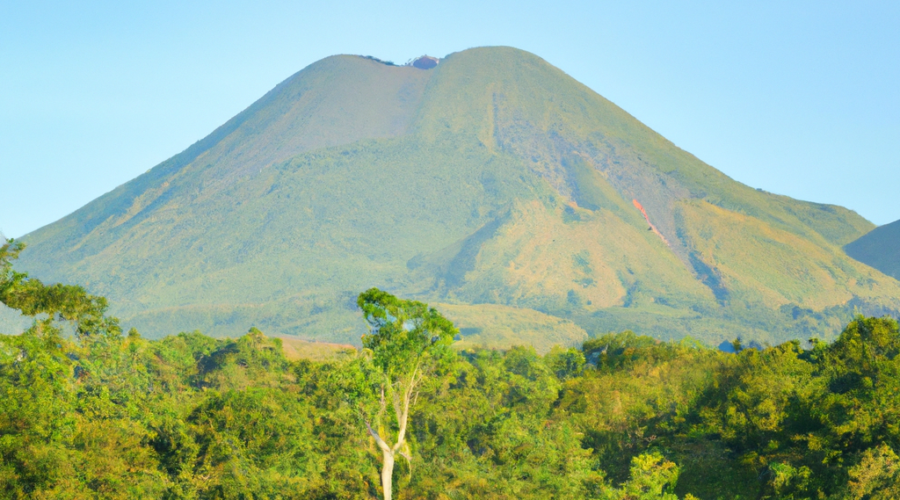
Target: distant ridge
493,184
880,248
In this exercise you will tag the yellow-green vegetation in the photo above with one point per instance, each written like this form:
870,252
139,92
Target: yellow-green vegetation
795,270
492,326
491,179
296,349
102,414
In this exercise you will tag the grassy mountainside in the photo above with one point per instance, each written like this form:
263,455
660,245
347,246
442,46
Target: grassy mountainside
879,248
493,183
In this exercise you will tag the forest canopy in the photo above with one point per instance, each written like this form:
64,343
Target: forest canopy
99,413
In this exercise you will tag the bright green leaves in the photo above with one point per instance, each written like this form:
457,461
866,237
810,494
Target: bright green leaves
407,341
786,481
652,478
68,302
403,333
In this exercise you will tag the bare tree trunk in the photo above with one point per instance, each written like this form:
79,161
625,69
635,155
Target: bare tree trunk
387,470
401,407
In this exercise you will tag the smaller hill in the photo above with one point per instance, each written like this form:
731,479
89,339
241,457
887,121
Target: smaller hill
880,248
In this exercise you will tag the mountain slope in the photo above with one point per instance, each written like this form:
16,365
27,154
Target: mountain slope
880,248
493,178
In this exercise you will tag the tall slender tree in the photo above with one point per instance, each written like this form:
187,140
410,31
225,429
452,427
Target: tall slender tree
406,343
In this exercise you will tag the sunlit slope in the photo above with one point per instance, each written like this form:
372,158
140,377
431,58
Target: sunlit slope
339,100
493,179
763,264
880,249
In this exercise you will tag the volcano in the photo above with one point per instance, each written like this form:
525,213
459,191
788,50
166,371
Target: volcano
491,185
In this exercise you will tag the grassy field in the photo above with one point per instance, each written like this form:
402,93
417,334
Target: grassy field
295,349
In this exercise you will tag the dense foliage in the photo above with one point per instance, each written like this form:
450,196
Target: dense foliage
102,414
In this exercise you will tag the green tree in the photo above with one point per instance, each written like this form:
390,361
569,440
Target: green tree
406,342
565,363
877,476
68,302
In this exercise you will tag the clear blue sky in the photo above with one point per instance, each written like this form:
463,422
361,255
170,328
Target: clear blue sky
800,98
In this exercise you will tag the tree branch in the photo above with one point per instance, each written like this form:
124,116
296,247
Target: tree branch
378,440
407,395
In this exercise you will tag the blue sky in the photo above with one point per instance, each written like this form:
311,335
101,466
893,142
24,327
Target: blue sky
798,98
